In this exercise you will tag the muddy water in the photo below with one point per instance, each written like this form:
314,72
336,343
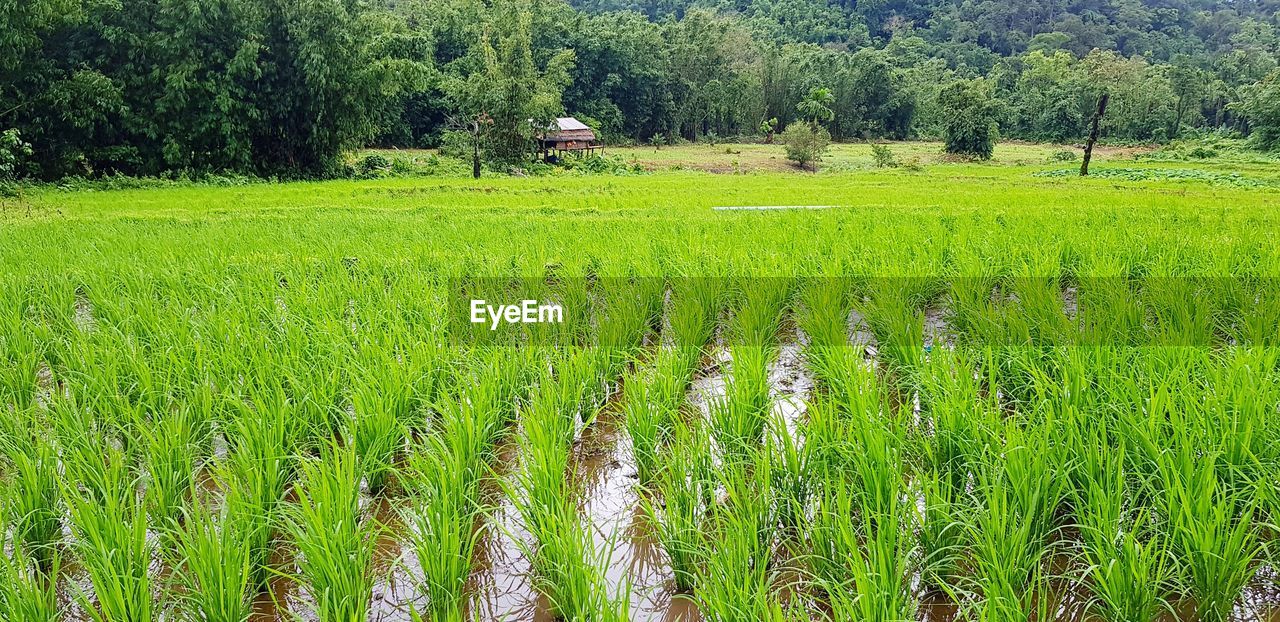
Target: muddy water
393,588
936,330
860,335
612,508
84,317
501,586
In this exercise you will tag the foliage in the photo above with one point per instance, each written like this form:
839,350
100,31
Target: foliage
1168,174
373,164
1261,106
816,106
516,98
970,129
883,156
284,87
249,86
14,153
805,143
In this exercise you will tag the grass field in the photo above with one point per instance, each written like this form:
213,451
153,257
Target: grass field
957,392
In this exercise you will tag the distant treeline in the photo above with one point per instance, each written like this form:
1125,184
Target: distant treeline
284,87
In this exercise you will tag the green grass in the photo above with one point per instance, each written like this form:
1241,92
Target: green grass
198,386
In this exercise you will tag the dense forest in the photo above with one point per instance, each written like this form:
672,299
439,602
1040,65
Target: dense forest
283,87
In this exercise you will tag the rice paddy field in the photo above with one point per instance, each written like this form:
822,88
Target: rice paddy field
985,392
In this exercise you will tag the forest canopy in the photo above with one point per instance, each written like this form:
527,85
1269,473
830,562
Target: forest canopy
284,87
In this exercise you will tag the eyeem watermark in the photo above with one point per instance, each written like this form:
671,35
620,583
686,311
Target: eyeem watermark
527,312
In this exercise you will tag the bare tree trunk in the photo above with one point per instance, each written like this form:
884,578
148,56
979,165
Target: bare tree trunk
1093,133
475,151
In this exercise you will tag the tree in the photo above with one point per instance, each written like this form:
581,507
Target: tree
806,143
513,97
970,119
1261,106
768,127
816,106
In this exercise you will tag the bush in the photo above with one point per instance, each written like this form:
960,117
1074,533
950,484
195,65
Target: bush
1063,156
1202,153
372,164
596,164
401,166
806,144
883,156
14,154
970,127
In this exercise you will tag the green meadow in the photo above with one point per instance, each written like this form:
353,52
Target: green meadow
952,391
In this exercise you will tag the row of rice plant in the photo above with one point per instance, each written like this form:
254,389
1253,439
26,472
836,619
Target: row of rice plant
995,473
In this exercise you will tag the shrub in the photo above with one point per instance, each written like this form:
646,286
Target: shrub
970,128
883,156
402,166
14,153
1202,153
373,164
1063,156
806,144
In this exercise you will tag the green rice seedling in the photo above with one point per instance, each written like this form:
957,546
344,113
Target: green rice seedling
1007,557
824,313
566,569
28,591
381,405
445,503
33,499
1020,488
648,417
683,487
259,467
694,307
562,555
960,419
943,531
899,329
757,318
82,445
1126,550
378,437
673,371
734,575
626,315
21,354
111,541
1036,477
1212,533
871,563
335,546
739,418
793,473
170,450
213,562
864,545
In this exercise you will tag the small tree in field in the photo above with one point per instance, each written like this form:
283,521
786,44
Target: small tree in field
970,129
816,106
768,127
806,143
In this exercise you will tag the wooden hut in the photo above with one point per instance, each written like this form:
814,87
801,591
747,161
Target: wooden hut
567,135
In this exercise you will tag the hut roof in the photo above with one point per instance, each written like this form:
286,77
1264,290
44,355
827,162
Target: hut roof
568,129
